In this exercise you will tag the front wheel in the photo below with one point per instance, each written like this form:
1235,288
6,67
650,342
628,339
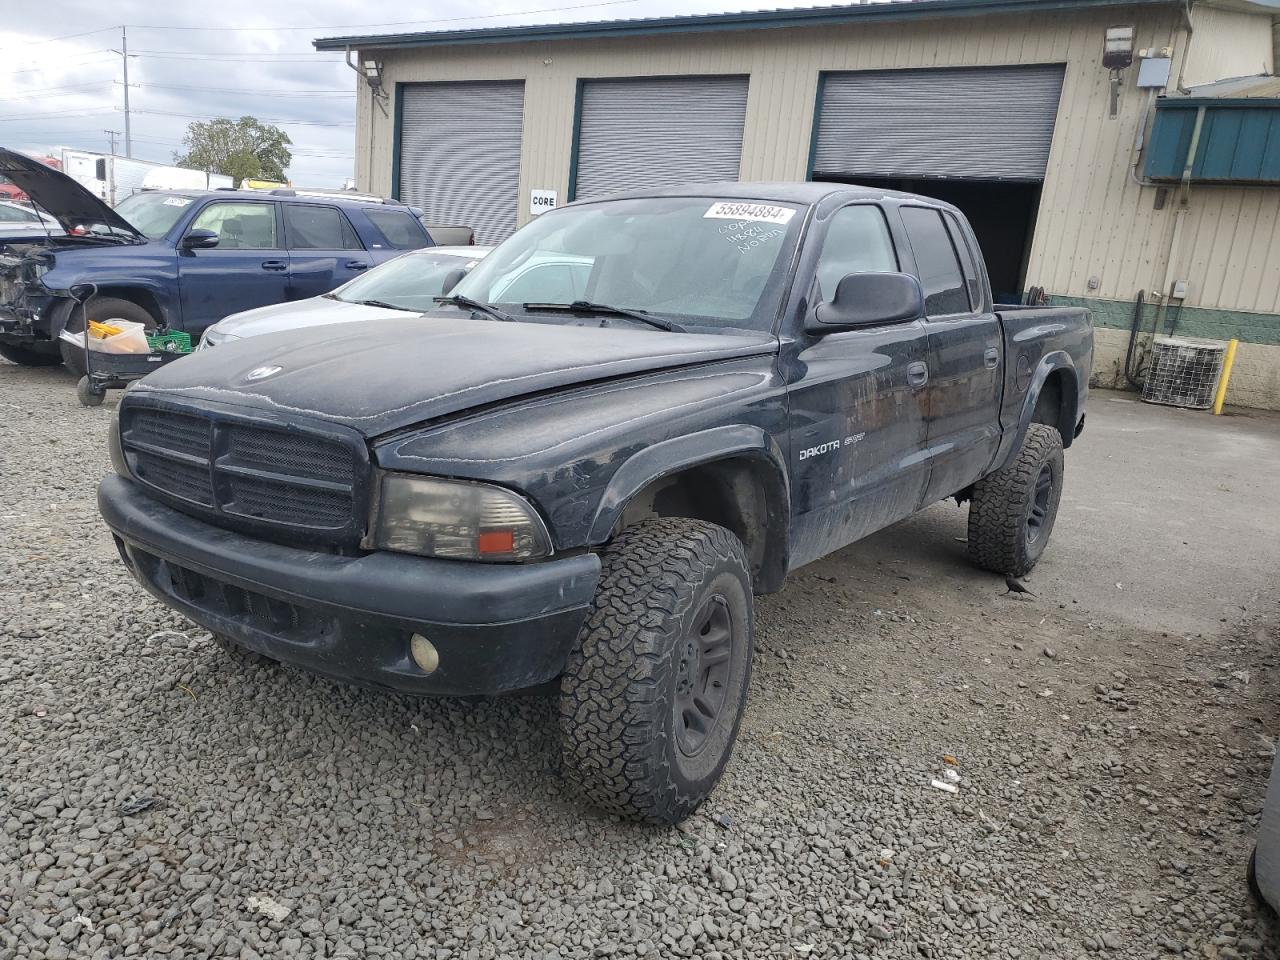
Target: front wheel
100,310
1012,511
653,695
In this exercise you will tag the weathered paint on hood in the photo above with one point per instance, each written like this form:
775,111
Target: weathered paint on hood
60,195
384,375
312,312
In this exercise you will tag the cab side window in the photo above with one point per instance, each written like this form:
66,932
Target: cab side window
857,241
936,262
240,226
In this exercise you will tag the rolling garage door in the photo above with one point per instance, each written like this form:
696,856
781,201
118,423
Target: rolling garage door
658,131
460,154
973,123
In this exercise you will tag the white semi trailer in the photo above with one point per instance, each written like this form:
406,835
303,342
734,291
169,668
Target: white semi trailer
113,178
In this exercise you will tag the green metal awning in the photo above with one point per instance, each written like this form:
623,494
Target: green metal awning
1229,131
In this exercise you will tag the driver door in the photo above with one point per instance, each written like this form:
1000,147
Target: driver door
248,268
858,435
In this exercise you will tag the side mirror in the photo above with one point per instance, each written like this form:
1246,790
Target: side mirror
199,240
451,280
868,300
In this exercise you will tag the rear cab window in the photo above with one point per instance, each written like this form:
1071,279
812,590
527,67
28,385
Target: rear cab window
311,226
398,229
937,264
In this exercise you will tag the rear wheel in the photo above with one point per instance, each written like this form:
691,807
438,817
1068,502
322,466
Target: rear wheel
28,356
1012,511
652,697
100,310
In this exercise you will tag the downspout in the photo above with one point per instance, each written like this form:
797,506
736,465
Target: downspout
1179,218
373,96
1275,45
1186,51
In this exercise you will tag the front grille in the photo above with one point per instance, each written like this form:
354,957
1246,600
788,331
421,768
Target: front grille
247,473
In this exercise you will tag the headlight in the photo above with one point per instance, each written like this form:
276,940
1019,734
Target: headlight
457,520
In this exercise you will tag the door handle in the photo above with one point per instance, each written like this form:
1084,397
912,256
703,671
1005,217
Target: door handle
991,358
274,265
917,373
356,265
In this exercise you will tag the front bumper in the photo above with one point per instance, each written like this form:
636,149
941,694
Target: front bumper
497,628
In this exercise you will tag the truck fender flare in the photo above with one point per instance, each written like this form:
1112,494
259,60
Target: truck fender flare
1049,363
704,447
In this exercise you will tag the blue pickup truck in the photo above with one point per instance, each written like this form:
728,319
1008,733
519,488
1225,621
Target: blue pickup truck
179,259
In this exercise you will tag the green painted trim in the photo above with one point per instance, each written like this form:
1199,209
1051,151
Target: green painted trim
817,120
573,146
707,22
395,141
1206,322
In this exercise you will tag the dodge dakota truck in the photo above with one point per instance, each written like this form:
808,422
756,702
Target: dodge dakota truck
584,493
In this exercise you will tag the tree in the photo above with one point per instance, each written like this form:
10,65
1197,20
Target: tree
244,149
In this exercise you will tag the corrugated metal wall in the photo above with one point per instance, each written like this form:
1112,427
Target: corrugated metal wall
1094,220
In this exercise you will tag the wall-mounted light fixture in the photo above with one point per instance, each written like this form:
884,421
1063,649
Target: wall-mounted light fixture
1117,54
371,70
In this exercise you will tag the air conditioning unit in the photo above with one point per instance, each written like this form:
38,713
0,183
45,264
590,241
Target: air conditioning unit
1183,372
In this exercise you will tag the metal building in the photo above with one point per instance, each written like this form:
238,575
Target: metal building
1004,107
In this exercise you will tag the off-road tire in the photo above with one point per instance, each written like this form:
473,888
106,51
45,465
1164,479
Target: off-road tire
241,654
1004,504
1251,877
101,309
27,357
622,744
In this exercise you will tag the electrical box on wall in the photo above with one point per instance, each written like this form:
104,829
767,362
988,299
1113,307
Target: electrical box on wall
1153,73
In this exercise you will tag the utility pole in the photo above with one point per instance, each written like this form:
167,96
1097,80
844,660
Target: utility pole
112,134
124,55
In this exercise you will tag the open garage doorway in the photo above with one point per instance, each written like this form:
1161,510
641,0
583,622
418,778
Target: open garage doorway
1003,216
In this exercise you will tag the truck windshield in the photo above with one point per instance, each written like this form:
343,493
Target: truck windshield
153,214
699,261
410,282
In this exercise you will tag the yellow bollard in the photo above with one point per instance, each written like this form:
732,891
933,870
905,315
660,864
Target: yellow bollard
1223,380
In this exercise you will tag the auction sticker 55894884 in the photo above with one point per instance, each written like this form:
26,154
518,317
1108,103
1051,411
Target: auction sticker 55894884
764,212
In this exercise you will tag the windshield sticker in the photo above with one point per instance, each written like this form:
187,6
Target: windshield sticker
176,201
760,212
747,234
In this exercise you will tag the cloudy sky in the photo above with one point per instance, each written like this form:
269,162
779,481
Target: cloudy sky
60,81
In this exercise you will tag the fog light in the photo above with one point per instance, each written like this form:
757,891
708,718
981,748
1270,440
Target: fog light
424,653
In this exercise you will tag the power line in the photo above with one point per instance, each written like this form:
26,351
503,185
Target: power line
73,63
65,114
67,36
393,23
254,91
66,86
205,116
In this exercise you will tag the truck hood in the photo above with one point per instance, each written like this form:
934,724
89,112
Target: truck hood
385,375
313,312
60,196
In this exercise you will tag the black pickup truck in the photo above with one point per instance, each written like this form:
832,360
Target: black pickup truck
730,381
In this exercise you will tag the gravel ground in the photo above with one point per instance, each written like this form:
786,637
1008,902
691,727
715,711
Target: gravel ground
161,799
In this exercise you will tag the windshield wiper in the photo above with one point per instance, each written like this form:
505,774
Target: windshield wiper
374,303
584,306
458,300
